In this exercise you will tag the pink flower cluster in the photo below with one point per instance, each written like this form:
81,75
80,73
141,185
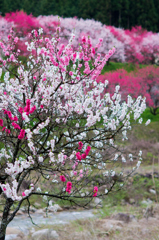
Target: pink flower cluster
95,191
27,108
22,134
85,154
15,125
69,187
63,179
144,82
80,145
14,119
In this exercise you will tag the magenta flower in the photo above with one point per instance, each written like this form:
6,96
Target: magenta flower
22,134
78,156
87,150
95,191
63,179
84,156
80,145
1,122
69,187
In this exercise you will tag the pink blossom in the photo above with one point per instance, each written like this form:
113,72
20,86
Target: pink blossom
33,109
9,114
95,191
63,179
1,122
5,111
70,73
80,145
69,187
78,156
84,156
8,131
15,119
20,109
15,125
22,134
87,150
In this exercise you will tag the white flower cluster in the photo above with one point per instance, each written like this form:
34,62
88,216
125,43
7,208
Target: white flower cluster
41,126
11,192
18,166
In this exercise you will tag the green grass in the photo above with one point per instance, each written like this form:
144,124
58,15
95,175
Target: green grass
136,189
148,115
129,67
147,133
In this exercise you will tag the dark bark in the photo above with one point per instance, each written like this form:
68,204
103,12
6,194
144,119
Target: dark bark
2,180
2,237
4,222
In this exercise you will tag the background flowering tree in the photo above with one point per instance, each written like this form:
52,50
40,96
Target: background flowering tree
144,82
56,125
136,45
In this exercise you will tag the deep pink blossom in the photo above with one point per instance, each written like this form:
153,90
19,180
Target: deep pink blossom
87,150
15,119
78,156
80,145
22,134
63,179
84,156
1,122
33,109
15,125
20,109
69,187
95,191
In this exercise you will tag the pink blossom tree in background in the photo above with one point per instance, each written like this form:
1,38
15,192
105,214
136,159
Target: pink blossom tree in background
149,83
57,127
136,45
94,29
144,82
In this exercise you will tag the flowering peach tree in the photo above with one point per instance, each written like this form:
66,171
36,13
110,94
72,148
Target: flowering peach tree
56,126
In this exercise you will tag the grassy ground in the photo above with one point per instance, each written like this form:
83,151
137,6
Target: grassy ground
112,66
129,214
118,223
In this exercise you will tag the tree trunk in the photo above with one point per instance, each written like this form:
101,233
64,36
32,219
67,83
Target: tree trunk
5,221
3,229
2,236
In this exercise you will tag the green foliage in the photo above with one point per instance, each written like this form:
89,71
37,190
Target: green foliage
148,115
149,132
129,67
